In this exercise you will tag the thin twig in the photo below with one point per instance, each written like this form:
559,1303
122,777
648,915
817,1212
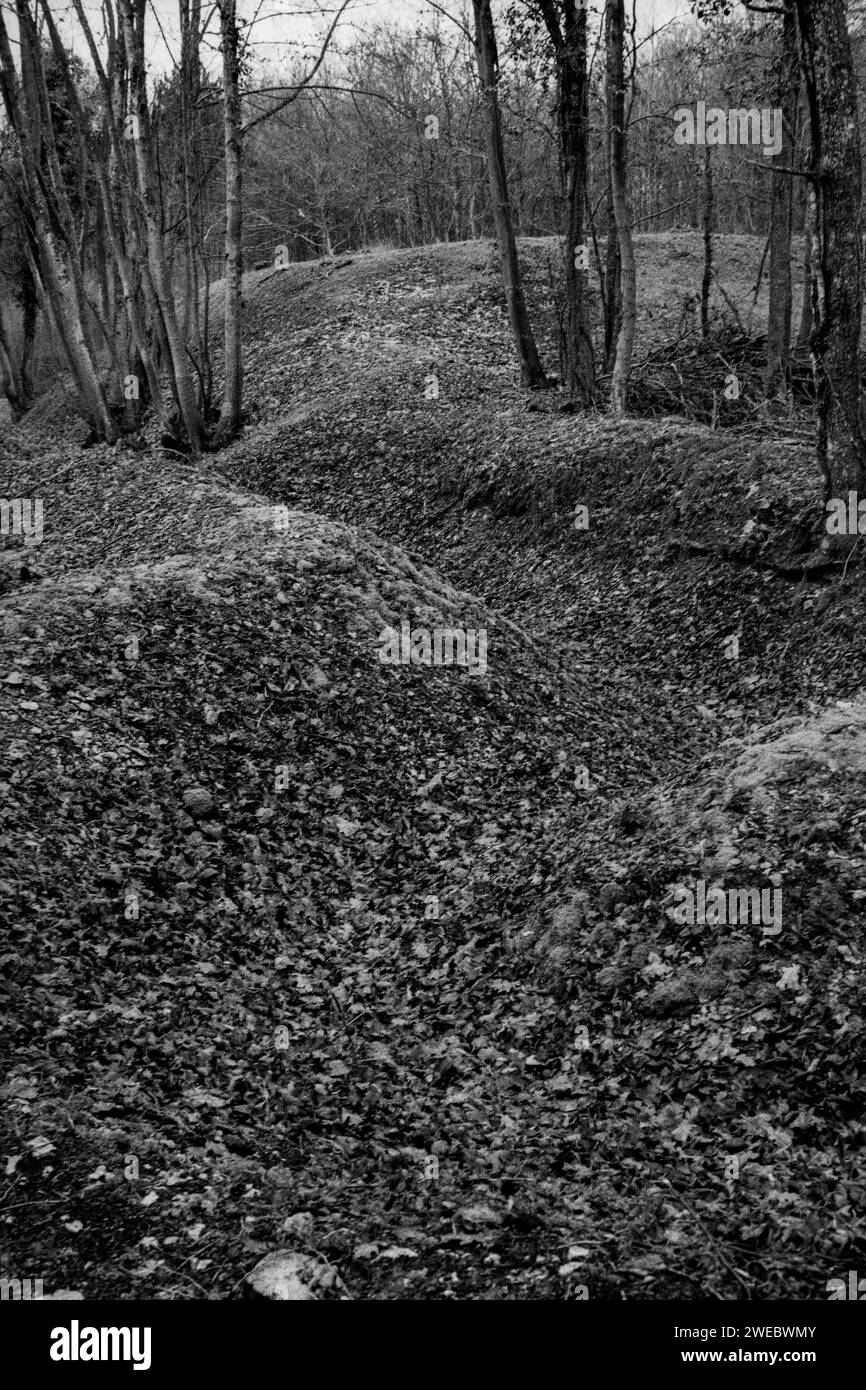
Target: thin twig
729,1267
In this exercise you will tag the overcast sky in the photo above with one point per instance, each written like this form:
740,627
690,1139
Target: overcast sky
287,29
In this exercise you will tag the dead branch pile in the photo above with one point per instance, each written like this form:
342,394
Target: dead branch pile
718,381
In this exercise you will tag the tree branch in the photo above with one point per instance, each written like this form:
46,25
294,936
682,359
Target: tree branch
248,125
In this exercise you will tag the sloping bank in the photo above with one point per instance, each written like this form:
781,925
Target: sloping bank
291,959
714,955
256,890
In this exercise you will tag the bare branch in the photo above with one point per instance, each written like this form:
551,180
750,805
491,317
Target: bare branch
248,125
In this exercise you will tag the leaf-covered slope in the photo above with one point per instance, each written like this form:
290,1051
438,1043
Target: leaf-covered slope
299,993
551,1084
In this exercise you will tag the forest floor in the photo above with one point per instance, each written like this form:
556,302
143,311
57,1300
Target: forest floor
306,952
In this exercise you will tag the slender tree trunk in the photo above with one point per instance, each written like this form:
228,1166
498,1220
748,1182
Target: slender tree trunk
132,21
23,112
144,366
193,247
707,278
612,283
615,27
569,42
29,316
804,332
10,376
828,72
59,247
779,314
531,369
574,152
612,263
230,413
104,275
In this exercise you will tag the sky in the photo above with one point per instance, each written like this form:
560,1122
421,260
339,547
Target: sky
288,29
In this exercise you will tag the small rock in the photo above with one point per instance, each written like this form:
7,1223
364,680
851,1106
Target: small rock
198,801
711,983
609,895
317,678
337,1243
299,1224
282,1177
285,1276
673,996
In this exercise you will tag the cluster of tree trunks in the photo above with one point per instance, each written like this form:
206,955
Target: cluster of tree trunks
815,49
531,370
107,233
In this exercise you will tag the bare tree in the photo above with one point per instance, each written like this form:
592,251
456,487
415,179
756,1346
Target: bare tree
565,21
10,376
531,369
779,313
707,221
804,332
230,413
136,337
132,16
612,280
52,253
615,41
828,74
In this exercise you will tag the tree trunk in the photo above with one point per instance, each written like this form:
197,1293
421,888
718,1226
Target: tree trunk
145,367
828,72
24,113
707,278
805,330
59,247
193,242
132,22
615,27
10,377
568,40
612,283
230,413
29,315
531,370
779,314
574,153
